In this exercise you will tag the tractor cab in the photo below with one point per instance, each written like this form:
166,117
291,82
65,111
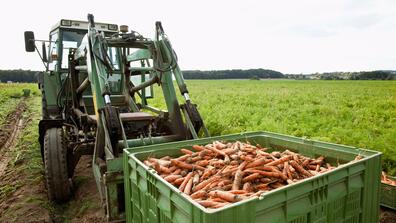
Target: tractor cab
67,36
70,35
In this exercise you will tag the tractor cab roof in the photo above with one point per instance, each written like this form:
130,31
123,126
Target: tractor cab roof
83,25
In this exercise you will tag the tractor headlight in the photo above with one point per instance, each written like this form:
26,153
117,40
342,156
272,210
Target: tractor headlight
113,27
66,22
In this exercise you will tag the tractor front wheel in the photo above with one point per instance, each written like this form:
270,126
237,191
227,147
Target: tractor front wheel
59,185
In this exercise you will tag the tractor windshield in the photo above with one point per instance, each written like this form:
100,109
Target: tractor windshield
71,39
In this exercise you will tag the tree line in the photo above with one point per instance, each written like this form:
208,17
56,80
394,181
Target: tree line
361,75
26,76
232,74
29,76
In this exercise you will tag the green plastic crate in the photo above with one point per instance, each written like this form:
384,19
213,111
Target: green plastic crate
347,194
388,195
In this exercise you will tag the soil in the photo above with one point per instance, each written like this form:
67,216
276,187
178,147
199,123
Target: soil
9,132
387,216
15,204
27,201
85,206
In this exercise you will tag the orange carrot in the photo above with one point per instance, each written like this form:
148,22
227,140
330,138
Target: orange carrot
257,162
262,187
230,151
172,168
238,191
202,163
186,179
217,199
196,178
279,161
186,151
224,182
305,163
177,182
267,180
247,187
189,184
219,145
171,178
285,168
318,160
208,203
251,177
216,150
199,194
311,167
207,173
195,159
205,183
177,172
225,195
299,168
184,173
234,162
246,158
268,174
237,180
198,148
161,162
186,165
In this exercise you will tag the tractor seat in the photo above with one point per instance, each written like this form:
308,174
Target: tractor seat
133,116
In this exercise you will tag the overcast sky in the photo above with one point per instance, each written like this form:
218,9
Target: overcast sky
293,36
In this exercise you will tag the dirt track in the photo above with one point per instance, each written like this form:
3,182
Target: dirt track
23,196
9,133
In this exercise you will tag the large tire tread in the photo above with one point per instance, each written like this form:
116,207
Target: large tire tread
59,185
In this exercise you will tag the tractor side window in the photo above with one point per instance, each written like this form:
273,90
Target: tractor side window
53,52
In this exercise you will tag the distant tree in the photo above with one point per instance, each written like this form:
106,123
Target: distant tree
232,74
255,77
26,76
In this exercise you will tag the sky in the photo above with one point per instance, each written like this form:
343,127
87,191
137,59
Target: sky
304,36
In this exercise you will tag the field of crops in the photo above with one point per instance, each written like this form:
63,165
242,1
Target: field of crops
356,113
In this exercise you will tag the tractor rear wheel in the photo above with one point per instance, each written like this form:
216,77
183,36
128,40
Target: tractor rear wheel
59,186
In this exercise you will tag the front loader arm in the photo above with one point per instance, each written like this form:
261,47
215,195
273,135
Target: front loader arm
169,62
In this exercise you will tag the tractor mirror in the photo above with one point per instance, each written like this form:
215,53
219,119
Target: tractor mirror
29,41
44,50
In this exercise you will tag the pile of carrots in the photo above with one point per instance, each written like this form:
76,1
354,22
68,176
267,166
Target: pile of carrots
386,180
221,173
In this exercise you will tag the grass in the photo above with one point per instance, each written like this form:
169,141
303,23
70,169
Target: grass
356,113
11,94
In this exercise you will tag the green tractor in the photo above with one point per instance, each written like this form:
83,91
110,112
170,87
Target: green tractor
97,82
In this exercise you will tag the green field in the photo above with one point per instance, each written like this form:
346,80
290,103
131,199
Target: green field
356,113
11,94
